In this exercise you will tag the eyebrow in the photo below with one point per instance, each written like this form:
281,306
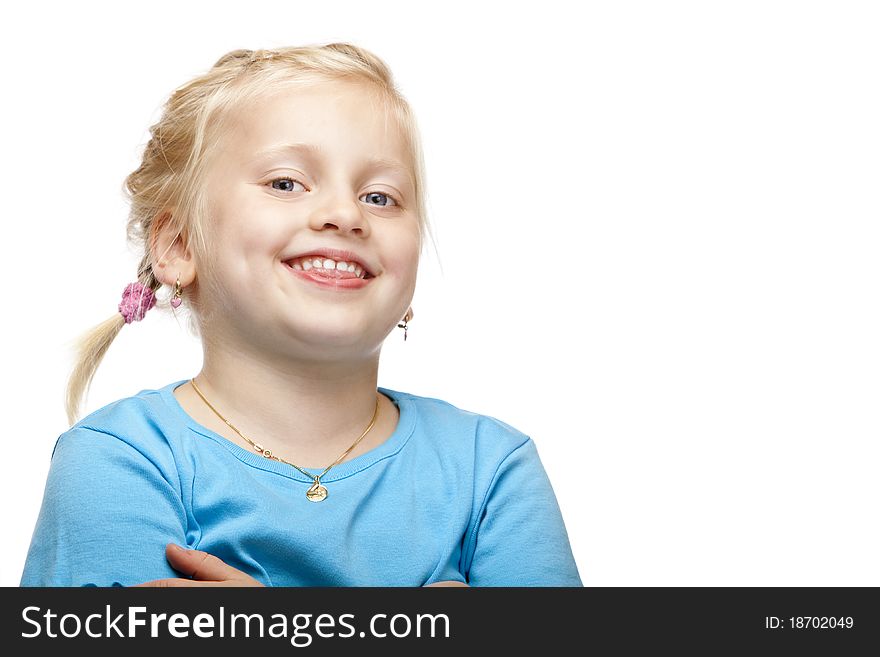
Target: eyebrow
313,149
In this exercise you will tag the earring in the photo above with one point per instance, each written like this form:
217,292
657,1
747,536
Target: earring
176,300
403,326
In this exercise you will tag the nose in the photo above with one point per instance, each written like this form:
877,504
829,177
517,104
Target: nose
340,211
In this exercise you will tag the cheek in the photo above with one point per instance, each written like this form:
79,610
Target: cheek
405,248
404,260
248,232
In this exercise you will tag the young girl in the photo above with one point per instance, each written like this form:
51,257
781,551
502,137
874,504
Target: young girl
281,199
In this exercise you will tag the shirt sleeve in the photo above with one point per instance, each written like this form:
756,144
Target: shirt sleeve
520,537
106,516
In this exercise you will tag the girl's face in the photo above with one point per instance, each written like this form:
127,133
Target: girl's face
318,167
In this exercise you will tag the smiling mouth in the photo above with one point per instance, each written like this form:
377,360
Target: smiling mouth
329,273
332,279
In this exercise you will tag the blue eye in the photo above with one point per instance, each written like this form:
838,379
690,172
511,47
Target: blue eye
382,194
285,179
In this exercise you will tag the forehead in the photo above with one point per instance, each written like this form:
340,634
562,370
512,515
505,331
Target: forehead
333,120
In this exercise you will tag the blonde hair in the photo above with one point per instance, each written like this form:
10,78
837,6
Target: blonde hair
182,142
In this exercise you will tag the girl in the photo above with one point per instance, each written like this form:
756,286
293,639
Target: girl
281,198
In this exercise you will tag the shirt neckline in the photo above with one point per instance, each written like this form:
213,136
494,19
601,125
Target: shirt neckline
395,442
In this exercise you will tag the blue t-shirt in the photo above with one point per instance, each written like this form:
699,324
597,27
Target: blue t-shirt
450,495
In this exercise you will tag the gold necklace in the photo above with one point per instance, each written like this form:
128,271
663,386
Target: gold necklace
316,492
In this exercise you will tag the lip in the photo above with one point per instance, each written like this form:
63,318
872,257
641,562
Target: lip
338,284
337,254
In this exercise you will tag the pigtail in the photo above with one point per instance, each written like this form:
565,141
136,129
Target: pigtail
92,345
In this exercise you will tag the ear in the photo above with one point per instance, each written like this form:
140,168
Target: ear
169,253
410,314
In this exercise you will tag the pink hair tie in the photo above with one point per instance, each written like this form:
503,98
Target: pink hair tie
137,299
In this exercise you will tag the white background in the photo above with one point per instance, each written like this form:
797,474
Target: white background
657,225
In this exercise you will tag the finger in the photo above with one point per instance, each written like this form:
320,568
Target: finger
449,582
200,565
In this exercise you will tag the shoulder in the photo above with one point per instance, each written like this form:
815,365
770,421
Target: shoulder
488,437
139,424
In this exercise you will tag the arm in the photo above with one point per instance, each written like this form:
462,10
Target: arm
520,537
108,511
205,569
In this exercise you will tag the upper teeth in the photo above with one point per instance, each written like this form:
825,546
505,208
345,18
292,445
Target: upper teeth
309,262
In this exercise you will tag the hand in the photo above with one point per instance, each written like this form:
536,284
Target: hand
449,582
205,570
